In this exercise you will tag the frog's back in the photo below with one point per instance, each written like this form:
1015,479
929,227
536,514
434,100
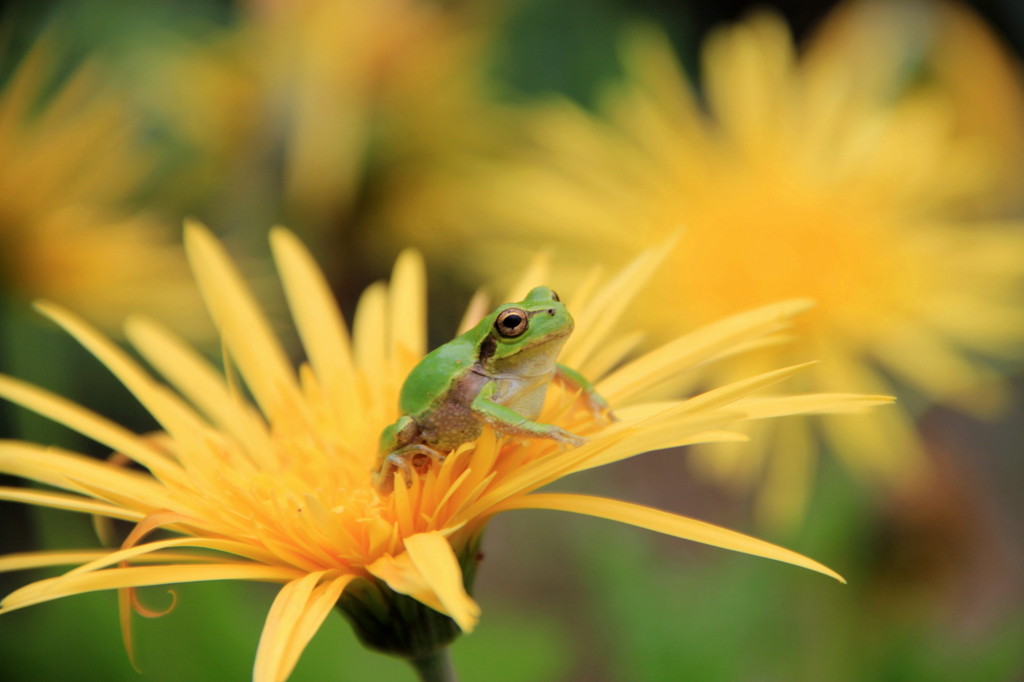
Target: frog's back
434,377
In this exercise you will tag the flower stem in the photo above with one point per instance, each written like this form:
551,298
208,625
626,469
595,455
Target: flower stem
434,667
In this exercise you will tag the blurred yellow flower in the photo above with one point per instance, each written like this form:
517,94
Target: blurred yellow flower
71,167
871,173
280,489
293,106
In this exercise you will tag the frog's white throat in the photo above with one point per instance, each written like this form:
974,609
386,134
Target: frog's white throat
534,361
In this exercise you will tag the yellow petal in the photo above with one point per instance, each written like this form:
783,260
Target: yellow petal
430,573
867,443
611,354
408,323
813,403
728,394
246,332
664,362
402,577
297,613
746,67
200,382
20,93
658,437
667,523
535,274
89,424
71,471
284,614
368,328
141,576
27,560
433,556
174,416
134,552
325,337
782,501
651,61
321,604
478,306
924,359
605,309
540,472
66,502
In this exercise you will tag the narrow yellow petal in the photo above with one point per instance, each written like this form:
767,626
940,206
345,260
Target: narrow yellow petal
664,362
650,59
175,417
586,289
21,91
925,359
201,383
728,394
737,466
435,559
869,451
141,576
478,306
659,437
615,443
782,501
43,498
89,424
368,328
71,471
812,403
604,310
667,523
535,274
611,354
667,430
408,323
323,331
133,553
866,445
402,577
29,560
248,335
429,573
322,602
282,618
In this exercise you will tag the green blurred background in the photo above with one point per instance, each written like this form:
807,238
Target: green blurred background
935,587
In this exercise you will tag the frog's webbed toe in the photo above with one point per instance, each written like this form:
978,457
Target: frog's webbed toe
594,402
405,459
568,438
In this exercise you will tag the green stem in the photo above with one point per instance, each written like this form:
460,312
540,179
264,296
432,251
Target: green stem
435,667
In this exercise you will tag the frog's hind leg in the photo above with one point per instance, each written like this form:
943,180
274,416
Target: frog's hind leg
404,459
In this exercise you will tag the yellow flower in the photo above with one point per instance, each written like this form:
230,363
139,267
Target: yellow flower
301,99
280,489
863,173
71,166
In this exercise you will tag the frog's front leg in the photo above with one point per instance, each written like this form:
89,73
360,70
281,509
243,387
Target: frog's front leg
399,449
575,381
506,420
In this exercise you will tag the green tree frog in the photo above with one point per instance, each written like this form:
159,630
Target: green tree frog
496,373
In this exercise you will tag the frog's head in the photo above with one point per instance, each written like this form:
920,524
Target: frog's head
527,335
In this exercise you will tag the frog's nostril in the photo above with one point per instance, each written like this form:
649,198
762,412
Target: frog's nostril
551,311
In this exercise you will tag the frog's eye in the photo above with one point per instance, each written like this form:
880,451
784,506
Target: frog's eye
511,322
554,295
